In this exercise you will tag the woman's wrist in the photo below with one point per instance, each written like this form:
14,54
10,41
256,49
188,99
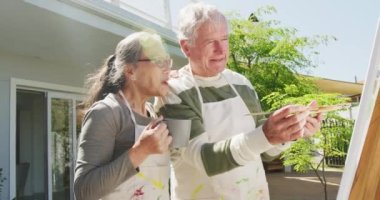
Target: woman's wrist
137,155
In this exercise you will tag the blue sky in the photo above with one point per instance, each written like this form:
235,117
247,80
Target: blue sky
352,22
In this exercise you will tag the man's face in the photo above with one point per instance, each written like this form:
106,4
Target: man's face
208,53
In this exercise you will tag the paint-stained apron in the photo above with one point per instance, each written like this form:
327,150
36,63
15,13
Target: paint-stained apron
222,120
152,181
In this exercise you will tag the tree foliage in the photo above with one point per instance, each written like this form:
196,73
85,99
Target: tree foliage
271,55
332,141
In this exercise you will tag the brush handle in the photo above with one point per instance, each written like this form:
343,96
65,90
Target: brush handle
320,109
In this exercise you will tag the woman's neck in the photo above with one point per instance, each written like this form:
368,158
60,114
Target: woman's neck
136,100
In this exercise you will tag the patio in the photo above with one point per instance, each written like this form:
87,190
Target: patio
296,186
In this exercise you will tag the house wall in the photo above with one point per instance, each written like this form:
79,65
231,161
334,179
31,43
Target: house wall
4,131
21,67
33,69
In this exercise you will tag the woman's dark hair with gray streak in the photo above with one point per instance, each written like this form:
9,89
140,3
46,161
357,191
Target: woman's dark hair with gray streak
192,16
110,77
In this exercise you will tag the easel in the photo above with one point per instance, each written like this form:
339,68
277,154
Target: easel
361,177
366,184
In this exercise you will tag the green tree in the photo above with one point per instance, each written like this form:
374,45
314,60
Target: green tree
270,55
333,139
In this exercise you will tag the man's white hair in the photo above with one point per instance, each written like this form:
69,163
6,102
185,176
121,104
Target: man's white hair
192,16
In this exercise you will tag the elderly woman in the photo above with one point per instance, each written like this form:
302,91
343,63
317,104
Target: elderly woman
122,151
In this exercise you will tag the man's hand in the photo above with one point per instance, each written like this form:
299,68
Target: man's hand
313,124
290,123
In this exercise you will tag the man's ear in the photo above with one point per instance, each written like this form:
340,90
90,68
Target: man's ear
185,46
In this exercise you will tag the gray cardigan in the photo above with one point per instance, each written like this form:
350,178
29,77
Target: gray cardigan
107,134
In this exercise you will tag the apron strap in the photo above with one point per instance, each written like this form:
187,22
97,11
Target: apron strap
188,67
229,83
129,107
199,91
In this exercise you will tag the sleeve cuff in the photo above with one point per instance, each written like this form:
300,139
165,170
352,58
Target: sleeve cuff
246,147
131,170
277,149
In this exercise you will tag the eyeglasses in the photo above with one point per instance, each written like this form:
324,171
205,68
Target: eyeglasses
161,63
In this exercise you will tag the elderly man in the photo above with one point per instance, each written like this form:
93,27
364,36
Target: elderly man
222,159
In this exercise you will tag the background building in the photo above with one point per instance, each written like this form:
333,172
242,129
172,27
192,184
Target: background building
47,47
348,89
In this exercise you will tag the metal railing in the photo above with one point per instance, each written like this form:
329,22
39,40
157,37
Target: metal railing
338,139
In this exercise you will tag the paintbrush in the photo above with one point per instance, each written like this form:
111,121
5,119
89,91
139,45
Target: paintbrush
313,111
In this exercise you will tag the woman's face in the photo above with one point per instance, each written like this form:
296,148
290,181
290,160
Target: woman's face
151,74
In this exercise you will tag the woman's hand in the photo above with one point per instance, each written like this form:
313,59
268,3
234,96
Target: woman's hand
154,139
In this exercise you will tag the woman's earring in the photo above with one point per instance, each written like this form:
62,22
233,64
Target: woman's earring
133,78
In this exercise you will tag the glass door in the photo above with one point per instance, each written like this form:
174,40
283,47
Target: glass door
62,137
31,139
47,128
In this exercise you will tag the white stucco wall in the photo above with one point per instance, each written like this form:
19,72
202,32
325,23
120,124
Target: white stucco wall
4,132
20,67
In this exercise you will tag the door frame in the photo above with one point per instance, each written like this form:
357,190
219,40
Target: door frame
73,98
16,83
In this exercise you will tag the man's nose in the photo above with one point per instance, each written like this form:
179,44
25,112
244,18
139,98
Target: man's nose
219,47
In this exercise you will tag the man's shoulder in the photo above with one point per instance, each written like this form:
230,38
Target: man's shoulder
235,77
182,81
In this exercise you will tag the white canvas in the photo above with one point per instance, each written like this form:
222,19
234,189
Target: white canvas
367,103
